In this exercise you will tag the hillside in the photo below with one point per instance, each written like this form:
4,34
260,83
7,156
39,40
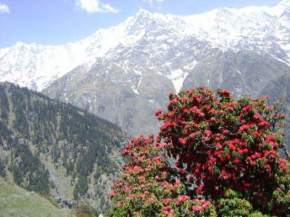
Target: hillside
15,202
111,96
56,149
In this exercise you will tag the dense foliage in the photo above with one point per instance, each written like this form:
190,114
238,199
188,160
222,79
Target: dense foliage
214,156
149,188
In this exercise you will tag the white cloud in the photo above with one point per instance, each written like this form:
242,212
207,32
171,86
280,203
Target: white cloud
96,6
4,8
153,2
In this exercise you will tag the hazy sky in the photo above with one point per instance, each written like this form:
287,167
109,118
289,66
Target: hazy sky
59,21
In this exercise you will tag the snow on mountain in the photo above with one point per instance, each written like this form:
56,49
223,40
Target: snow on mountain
253,28
36,66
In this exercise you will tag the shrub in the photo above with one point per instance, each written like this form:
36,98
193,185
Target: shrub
232,204
212,152
220,143
148,187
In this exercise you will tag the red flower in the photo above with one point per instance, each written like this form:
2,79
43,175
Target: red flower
224,93
200,189
182,198
218,146
246,184
182,172
166,201
157,159
283,165
158,113
182,141
263,124
257,116
244,127
197,208
270,138
247,108
236,161
178,164
157,178
232,147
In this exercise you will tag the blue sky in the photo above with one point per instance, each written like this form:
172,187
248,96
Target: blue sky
60,21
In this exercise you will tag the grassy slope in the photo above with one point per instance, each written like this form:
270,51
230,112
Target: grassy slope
16,202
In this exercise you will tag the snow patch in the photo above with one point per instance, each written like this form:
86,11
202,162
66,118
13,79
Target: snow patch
177,78
135,90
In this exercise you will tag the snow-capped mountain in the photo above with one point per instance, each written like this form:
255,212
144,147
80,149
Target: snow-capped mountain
124,73
36,66
265,29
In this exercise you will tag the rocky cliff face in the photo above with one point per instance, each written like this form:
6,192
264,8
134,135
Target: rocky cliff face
56,149
243,72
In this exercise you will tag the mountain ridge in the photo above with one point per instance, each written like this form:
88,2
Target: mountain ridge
260,28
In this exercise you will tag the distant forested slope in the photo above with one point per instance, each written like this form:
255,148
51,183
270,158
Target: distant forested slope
56,149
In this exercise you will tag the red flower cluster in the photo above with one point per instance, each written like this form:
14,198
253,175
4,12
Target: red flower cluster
146,179
223,143
208,143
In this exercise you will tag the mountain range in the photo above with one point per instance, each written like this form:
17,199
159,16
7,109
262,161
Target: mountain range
125,72
239,49
263,29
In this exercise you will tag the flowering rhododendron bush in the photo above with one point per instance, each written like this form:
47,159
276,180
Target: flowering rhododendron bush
209,144
149,188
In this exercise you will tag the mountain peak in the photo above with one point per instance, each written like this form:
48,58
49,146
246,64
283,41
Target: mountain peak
282,8
143,20
222,12
144,13
285,3
19,44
